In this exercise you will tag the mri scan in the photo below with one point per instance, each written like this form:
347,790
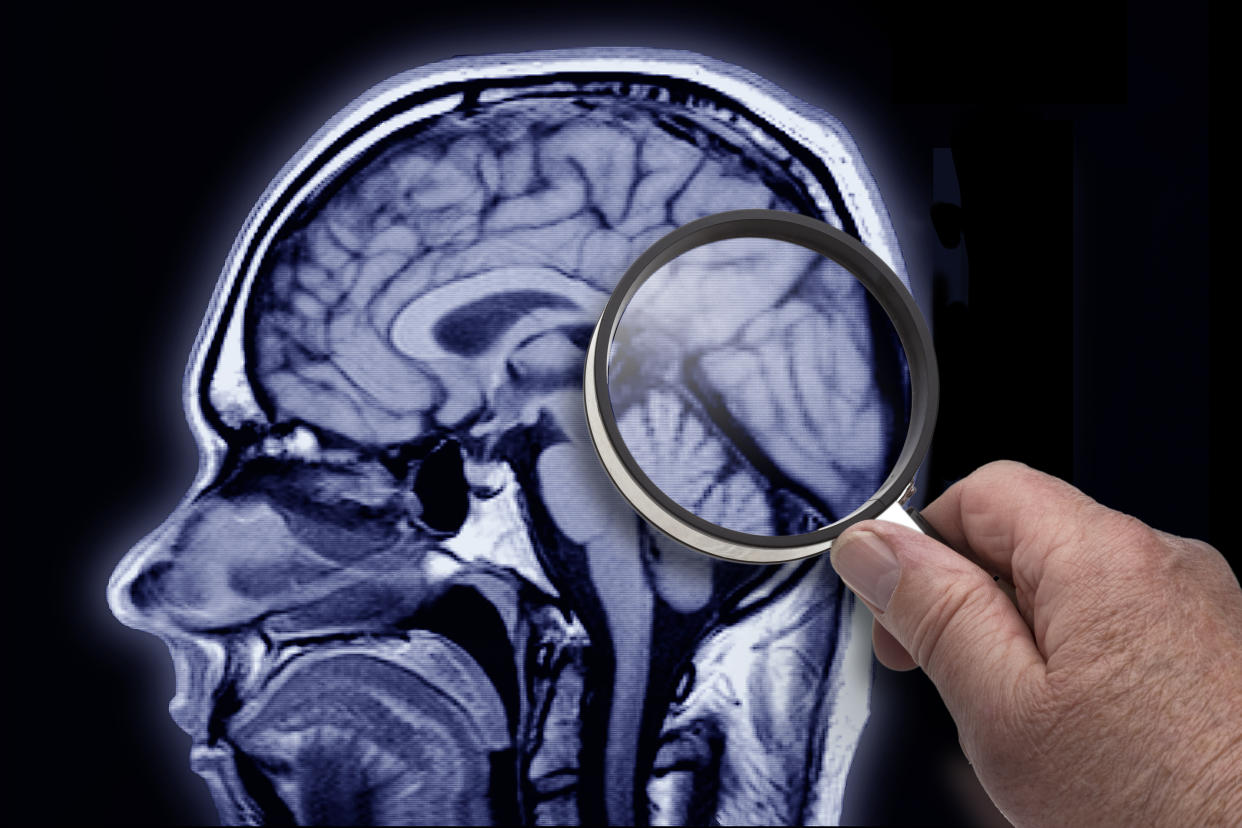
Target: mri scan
401,589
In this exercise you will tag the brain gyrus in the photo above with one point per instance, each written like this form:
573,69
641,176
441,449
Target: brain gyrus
570,196
474,257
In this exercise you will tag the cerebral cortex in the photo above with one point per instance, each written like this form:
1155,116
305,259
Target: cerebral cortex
405,592
560,192
482,246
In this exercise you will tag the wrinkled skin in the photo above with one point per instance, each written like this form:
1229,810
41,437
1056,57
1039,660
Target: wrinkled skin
401,589
1108,690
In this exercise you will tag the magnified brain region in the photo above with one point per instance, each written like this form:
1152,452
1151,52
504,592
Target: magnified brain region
402,589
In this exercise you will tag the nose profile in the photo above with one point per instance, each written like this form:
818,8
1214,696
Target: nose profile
132,589
151,590
215,563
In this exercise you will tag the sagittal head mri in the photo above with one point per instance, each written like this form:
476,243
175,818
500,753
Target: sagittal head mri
401,589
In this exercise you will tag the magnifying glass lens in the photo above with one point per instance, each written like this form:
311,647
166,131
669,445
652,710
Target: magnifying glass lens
758,385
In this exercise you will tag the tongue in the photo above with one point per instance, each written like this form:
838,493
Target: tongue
414,744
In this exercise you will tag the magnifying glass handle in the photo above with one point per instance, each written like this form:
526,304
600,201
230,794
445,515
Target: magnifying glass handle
911,519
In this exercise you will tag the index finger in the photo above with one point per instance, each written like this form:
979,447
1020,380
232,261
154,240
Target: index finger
1010,519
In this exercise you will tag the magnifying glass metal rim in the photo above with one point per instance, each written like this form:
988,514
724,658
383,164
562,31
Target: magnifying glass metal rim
877,277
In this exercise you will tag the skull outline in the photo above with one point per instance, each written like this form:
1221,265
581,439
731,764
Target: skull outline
220,388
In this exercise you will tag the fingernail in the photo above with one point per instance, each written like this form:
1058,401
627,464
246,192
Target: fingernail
867,566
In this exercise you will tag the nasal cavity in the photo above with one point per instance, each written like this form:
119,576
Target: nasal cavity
441,486
145,590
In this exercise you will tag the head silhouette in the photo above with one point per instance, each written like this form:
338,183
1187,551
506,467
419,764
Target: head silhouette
401,589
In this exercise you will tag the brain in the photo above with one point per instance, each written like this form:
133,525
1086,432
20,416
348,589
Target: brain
473,258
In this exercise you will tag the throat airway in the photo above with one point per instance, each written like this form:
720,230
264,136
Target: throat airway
261,791
467,619
441,487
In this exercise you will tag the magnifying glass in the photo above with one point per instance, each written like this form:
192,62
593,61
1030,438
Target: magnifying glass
758,382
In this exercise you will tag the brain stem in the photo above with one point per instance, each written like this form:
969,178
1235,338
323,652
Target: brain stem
615,565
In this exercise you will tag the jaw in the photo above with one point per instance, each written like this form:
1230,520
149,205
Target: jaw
351,731
366,715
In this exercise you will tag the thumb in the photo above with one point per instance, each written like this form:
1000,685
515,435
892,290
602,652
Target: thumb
956,623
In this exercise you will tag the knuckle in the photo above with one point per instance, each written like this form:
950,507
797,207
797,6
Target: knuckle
1150,562
1113,546
1005,468
1003,473
1014,474
1196,555
1202,549
1126,532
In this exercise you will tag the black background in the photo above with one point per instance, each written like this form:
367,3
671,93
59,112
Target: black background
1084,347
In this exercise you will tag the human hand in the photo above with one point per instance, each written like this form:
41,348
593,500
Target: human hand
1111,693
